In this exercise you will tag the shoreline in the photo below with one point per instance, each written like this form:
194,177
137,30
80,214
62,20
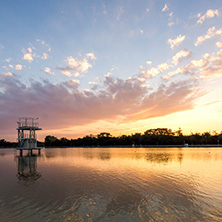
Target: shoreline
135,146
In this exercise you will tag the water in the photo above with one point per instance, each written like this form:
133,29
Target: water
112,184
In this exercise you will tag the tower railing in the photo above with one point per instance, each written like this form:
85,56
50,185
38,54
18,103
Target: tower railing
27,122
26,136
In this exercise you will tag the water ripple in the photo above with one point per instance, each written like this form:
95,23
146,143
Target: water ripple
114,185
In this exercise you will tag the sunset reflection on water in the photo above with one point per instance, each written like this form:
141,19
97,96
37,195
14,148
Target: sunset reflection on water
112,184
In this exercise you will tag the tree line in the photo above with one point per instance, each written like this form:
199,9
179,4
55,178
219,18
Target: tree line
151,137
6,144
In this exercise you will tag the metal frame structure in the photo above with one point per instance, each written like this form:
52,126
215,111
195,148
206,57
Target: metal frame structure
27,139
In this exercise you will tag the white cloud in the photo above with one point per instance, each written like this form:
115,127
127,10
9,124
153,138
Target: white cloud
67,73
92,83
188,69
141,79
48,71
29,54
219,44
77,66
177,41
169,75
91,56
147,9
211,32
180,56
212,65
149,62
170,24
163,67
120,11
35,55
45,44
155,71
72,83
76,74
28,57
198,63
108,74
18,67
11,66
209,14
8,74
8,60
141,31
45,56
104,9
165,8
171,14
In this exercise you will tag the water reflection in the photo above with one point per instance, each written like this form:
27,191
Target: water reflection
109,184
27,168
157,157
104,156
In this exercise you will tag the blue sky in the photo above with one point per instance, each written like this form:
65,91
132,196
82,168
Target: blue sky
115,58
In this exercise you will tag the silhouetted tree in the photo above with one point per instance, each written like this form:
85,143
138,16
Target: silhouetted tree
51,141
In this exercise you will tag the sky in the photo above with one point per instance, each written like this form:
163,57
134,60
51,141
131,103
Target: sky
121,66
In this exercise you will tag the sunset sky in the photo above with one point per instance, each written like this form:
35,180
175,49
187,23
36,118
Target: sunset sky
85,67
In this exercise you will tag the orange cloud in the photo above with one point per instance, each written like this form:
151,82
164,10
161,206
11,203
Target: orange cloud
65,105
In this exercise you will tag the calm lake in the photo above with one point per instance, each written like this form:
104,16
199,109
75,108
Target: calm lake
112,184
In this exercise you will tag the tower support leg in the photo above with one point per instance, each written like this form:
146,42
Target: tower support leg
20,152
39,152
30,152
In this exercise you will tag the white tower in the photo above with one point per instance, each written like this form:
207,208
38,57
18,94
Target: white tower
26,134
